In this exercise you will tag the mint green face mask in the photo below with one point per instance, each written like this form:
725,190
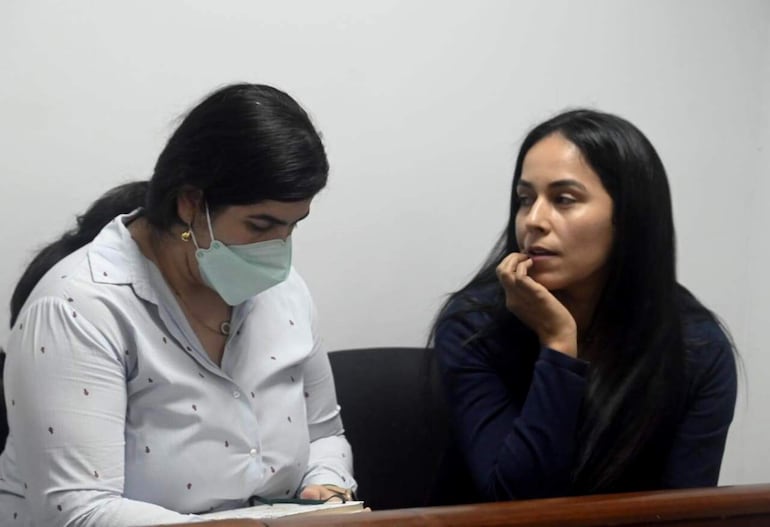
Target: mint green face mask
238,272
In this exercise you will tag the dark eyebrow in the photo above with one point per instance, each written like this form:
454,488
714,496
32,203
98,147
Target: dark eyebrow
561,183
273,219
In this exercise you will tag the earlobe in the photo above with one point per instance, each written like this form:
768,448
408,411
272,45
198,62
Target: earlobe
189,202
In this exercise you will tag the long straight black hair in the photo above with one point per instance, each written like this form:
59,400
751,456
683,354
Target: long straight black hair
637,380
242,144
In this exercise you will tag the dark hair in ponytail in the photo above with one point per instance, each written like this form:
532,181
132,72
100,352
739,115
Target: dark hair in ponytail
242,144
119,200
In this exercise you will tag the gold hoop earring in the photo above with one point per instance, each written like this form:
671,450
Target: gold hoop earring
186,235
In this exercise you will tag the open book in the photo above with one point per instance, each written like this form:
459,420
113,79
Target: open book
279,510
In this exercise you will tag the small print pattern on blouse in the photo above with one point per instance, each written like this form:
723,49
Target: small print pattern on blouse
123,414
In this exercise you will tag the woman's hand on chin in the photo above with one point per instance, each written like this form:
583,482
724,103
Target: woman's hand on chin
536,306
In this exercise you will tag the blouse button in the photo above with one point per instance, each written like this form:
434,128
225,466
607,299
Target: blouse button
253,452
236,394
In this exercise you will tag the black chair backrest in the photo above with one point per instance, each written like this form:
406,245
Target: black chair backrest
3,416
395,420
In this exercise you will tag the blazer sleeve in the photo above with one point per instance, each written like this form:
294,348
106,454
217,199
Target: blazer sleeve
699,441
514,447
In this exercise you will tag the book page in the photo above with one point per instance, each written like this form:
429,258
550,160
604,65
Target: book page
280,510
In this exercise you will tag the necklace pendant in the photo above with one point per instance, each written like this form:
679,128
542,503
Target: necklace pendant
224,327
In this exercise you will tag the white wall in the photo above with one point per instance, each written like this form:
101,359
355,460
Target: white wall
746,458
422,105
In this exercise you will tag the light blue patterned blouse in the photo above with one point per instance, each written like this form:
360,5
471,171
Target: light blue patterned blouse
119,417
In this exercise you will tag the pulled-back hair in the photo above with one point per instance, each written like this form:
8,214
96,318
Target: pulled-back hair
242,144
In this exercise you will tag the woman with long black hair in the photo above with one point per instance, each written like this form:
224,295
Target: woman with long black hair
574,361
164,358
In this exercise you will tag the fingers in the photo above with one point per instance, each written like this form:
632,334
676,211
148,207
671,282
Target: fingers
512,260
322,492
523,268
520,289
513,271
312,492
506,270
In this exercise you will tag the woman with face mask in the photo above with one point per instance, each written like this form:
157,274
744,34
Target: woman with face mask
164,358
574,361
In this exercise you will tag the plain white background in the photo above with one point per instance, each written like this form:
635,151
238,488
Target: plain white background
422,105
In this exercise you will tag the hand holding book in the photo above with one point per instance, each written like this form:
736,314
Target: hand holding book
326,492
